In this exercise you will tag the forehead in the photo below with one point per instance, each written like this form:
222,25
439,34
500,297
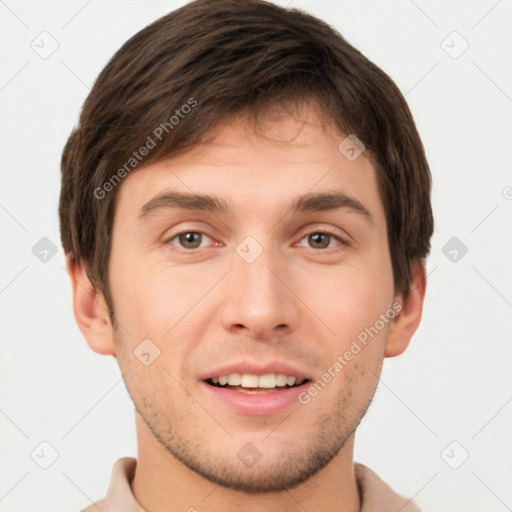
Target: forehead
259,172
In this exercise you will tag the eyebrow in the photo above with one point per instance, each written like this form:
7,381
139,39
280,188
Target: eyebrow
308,202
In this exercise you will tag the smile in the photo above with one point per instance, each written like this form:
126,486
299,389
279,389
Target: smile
251,383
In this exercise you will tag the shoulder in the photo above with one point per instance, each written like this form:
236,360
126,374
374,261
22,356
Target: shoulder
119,497
377,495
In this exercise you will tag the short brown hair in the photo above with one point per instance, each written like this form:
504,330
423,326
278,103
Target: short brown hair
230,58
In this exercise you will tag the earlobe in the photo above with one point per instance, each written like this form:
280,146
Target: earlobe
404,325
90,309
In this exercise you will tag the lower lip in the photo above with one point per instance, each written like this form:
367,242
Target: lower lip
257,403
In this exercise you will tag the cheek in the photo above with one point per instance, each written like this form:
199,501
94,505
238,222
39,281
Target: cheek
136,295
349,298
353,303
151,298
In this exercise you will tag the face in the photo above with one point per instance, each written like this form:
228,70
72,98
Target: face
254,287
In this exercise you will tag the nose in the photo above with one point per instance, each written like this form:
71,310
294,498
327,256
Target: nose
260,299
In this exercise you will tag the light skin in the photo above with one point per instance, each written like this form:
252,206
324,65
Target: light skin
303,300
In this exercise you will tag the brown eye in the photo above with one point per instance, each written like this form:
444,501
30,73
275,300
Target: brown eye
319,240
322,240
189,239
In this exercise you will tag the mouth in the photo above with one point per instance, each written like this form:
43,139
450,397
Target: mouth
248,395
256,384
249,387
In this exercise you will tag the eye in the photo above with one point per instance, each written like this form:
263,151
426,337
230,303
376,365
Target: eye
189,240
323,239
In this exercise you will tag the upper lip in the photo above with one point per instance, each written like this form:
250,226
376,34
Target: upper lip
256,368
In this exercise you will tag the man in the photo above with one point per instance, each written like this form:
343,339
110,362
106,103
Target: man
245,209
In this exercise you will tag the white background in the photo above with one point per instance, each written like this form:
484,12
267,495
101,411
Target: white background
454,381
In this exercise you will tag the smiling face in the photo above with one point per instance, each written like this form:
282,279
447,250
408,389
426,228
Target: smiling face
246,279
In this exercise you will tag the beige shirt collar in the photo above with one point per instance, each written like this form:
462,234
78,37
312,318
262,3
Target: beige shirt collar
377,496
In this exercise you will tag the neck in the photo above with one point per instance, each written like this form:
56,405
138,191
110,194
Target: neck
162,483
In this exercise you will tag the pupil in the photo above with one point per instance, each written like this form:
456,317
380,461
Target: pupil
315,237
189,238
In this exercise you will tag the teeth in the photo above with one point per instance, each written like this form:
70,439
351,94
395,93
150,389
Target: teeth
267,381
234,379
281,379
247,380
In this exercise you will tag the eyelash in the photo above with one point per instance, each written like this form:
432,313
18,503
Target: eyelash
327,232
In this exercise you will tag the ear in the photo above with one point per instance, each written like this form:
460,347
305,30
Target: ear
405,323
90,309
